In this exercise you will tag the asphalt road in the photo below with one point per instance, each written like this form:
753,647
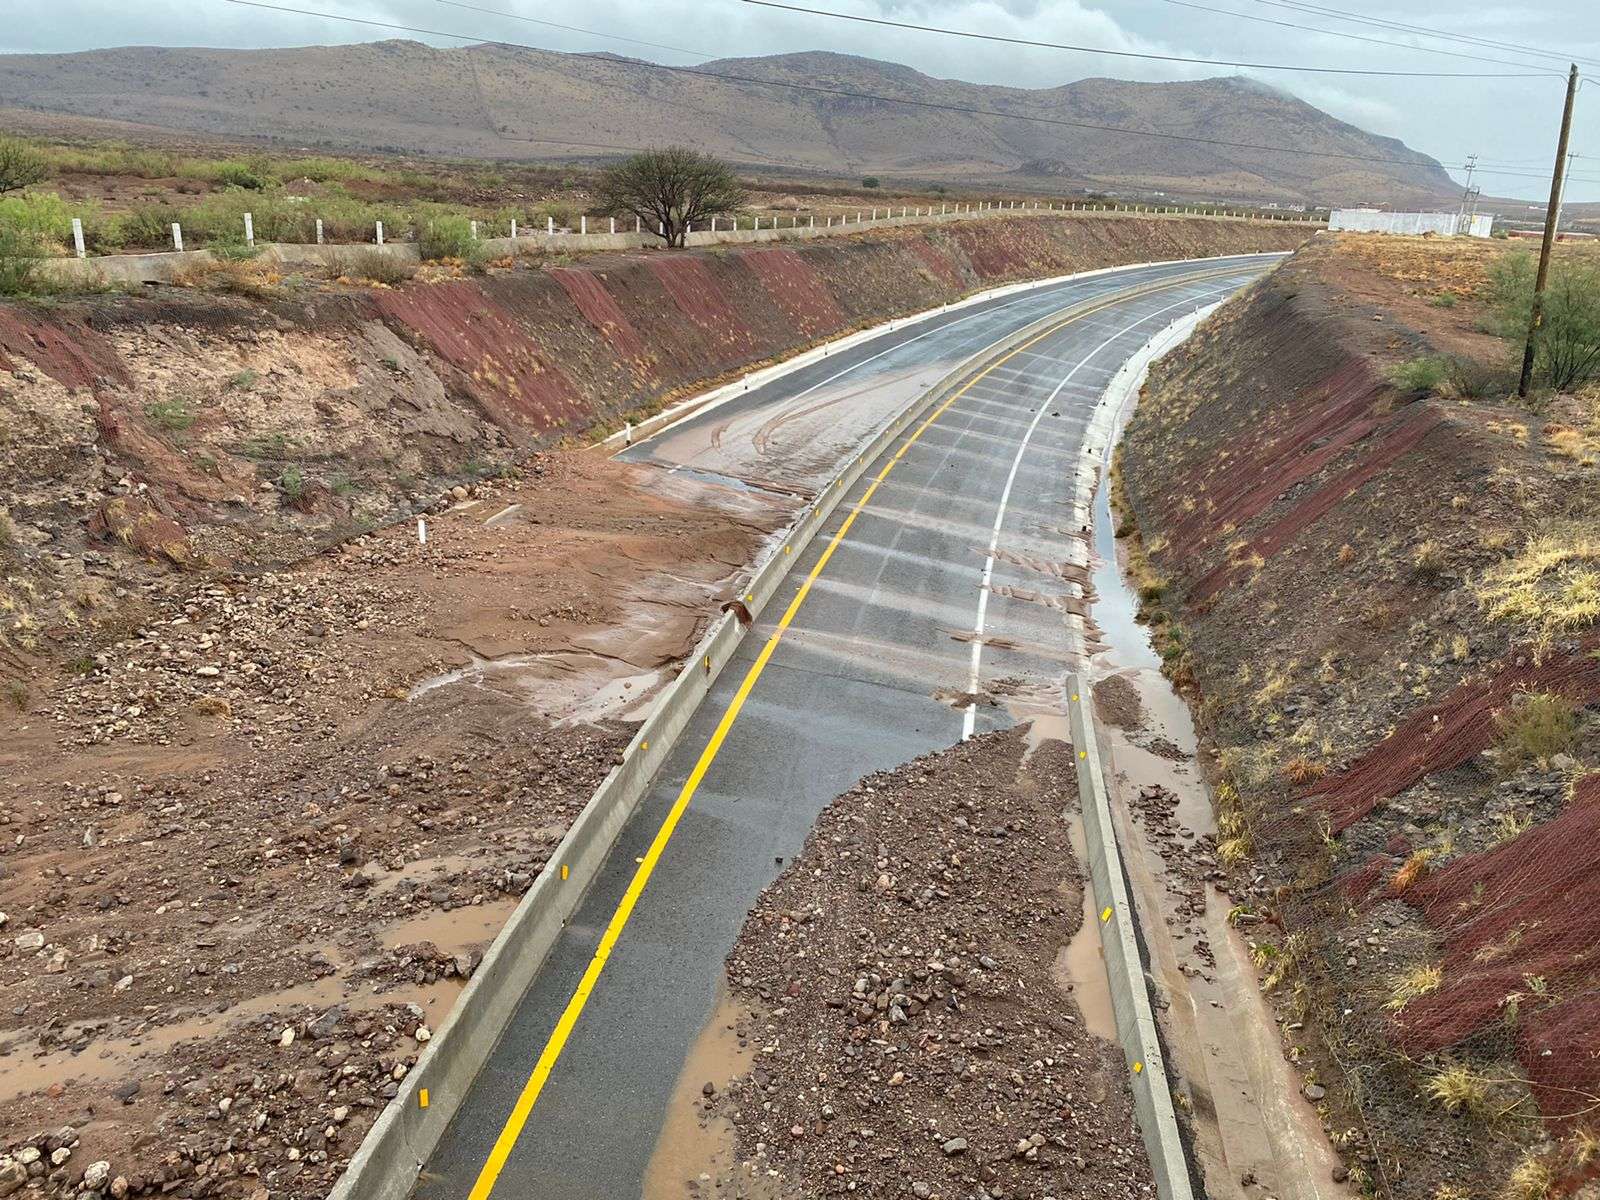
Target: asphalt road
862,680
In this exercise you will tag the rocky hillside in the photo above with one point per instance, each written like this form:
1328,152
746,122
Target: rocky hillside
494,101
1378,581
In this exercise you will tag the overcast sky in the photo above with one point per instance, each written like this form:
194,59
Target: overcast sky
1510,123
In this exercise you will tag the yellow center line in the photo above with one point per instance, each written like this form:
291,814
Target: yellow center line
520,1112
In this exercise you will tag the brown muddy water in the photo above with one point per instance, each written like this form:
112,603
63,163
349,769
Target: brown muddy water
1240,1095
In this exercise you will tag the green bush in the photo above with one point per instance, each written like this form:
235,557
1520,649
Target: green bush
1567,350
448,237
1534,728
1420,374
19,263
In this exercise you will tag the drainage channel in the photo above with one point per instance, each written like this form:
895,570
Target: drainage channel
1253,1133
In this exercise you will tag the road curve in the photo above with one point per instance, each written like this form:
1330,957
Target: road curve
948,582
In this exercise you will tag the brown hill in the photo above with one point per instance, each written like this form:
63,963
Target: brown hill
494,101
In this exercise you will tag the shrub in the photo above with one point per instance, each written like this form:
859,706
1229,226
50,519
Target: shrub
21,165
1567,349
292,482
233,173
448,237
374,266
1300,770
1535,727
1420,374
1444,300
19,263
1551,587
871,181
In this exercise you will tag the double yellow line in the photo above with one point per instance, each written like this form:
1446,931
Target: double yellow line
512,1130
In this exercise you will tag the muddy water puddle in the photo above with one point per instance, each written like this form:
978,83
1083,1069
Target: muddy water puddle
1249,1119
573,687
1080,966
453,932
113,1058
695,1155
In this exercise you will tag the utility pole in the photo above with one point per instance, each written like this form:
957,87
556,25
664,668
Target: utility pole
1552,214
1466,194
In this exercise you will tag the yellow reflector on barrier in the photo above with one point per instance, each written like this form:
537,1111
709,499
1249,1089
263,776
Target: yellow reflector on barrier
422,1098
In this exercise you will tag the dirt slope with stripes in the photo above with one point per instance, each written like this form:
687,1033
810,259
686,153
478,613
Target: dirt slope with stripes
1383,604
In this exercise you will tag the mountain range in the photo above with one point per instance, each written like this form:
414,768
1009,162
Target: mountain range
819,113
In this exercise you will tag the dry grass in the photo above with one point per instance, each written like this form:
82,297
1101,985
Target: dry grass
1551,587
1418,981
1458,1090
1531,1179
1300,770
1413,869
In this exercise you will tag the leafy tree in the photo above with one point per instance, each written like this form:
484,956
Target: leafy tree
871,181
671,189
1567,349
20,165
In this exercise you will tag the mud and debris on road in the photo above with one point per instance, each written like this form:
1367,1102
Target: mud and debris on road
910,1032
255,846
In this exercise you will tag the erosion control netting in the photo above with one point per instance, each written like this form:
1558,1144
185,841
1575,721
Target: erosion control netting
1455,964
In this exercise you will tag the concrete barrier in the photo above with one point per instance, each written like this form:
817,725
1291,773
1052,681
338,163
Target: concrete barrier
386,1165
1130,990
158,267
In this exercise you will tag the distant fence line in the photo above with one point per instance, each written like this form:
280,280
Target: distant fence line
156,265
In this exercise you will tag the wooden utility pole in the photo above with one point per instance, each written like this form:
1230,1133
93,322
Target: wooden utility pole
1551,215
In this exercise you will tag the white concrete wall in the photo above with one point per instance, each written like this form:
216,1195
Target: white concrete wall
1445,224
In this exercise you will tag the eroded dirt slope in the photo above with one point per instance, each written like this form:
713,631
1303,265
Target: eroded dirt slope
1382,600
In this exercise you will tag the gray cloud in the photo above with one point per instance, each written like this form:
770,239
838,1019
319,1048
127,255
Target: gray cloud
1511,123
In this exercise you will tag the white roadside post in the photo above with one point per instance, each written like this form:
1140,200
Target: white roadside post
513,229
583,223
422,532
549,226
319,231
77,236
177,237
813,220
613,224
474,231
249,230
380,232
638,225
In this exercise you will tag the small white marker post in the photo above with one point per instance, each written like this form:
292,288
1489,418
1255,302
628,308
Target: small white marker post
319,231
249,230
177,237
380,232
77,236
422,532
638,225
513,229
549,226
613,224
474,231
583,223
627,433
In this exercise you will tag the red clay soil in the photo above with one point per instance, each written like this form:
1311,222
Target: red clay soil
600,309
1529,909
522,392
65,348
1398,439
798,289
1452,731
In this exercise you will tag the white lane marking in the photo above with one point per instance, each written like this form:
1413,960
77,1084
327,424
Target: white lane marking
970,718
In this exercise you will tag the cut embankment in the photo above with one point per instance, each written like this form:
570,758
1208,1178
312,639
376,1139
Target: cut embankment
1381,600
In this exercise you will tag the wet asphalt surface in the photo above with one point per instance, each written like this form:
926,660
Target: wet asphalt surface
860,681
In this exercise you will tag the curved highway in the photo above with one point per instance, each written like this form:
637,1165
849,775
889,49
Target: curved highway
938,610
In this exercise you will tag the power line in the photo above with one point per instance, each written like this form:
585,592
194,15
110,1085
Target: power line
1355,37
1301,6
1178,58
